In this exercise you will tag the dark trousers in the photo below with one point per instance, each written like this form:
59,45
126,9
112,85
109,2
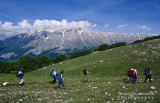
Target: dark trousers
54,80
60,82
135,78
148,77
131,79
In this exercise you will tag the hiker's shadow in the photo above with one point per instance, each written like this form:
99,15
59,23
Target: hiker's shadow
126,81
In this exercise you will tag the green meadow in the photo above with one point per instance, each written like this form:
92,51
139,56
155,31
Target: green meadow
107,81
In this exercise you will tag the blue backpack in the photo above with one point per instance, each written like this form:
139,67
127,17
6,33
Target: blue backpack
17,74
146,71
84,72
52,73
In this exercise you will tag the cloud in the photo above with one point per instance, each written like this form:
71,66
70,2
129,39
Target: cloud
24,26
144,28
106,25
121,26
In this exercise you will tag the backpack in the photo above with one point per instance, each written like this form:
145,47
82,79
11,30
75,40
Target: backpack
146,71
17,74
132,73
129,73
52,73
84,72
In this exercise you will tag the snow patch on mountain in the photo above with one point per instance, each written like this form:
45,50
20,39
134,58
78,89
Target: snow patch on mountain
8,55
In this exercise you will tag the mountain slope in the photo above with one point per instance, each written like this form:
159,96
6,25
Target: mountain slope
140,55
107,79
64,42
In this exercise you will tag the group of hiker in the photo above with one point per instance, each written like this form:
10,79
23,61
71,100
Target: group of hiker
57,76
133,75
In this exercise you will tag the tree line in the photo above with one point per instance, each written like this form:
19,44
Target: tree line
32,63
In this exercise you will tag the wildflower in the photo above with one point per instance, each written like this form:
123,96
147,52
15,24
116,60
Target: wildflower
155,91
109,82
39,99
106,93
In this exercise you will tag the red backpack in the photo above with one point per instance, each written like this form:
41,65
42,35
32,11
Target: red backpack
132,74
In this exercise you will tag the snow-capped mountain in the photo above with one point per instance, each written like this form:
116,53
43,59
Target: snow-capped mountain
60,42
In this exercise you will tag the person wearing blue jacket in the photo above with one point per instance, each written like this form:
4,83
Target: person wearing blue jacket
20,75
148,74
59,77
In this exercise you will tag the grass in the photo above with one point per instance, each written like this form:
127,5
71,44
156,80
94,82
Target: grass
107,79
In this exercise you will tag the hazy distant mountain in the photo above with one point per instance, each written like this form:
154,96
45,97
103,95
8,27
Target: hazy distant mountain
60,42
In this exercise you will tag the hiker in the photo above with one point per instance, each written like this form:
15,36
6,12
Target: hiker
132,76
53,74
135,74
129,74
20,76
86,73
148,74
59,77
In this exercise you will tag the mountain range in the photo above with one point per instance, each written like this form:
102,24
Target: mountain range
60,42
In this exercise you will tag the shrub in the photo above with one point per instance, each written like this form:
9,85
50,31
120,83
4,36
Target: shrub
118,44
103,47
81,53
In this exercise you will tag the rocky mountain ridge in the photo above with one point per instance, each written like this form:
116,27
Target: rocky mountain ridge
60,42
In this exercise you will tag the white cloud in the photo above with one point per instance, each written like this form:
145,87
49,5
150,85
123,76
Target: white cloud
24,26
144,27
106,25
121,26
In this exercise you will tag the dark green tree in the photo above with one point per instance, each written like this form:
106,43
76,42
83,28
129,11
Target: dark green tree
103,47
81,53
27,63
58,58
118,44
42,61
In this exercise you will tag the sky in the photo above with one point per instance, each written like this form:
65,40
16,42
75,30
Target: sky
125,16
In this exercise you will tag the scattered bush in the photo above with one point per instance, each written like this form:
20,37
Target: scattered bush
103,47
118,44
81,53
146,39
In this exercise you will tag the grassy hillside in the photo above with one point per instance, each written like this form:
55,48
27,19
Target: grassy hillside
107,79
